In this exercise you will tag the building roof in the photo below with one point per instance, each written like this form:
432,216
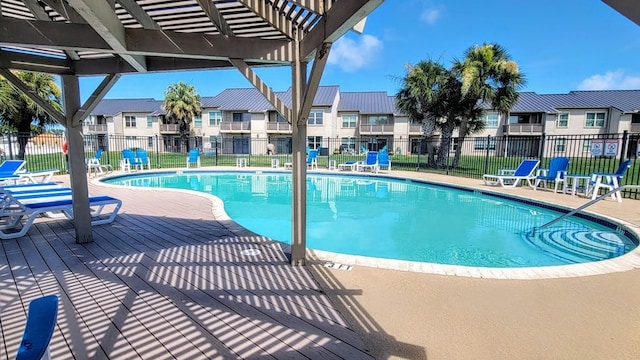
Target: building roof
376,102
110,107
251,100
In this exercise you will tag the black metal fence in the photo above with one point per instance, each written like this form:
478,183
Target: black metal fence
471,158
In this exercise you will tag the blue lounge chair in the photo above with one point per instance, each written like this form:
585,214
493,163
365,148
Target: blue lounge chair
41,321
370,164
129,161
384,160
608,181
312,159
557,172
94,165
143,157
512,177
12,167
193,157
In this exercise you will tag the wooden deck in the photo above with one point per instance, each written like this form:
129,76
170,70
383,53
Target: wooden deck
167,280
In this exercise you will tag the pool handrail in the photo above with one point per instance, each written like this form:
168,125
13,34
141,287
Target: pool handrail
585,206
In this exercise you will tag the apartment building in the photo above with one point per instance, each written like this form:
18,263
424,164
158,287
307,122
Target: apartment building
350,121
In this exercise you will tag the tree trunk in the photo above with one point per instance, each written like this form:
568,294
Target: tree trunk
428,127
445,143
462,134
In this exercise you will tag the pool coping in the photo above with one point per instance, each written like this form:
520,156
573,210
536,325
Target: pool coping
626,262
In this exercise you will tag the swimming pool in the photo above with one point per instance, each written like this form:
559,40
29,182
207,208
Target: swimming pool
401,219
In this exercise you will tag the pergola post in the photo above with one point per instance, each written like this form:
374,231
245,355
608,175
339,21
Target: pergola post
77,170
299,171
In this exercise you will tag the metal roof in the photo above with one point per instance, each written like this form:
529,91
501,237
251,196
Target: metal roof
375,102
110,107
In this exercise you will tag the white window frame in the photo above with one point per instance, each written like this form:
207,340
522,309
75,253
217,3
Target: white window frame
130,121
349,120
560,145
492,120
595,120
197,121
586,146
149,121
215,118
315,117
314,142
375,120
563,123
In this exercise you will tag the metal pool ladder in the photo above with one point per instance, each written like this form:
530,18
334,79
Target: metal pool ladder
535,228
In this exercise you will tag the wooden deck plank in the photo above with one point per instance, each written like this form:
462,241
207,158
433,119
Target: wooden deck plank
168,280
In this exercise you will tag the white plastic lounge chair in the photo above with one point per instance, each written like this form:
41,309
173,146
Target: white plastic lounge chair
41,321
94,165
557,172
370,164
193,157
608,181
13,225
511,177
348,165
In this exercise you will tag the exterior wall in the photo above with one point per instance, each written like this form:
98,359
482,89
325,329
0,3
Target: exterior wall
577,123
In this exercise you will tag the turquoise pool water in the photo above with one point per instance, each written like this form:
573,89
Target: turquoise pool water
401,219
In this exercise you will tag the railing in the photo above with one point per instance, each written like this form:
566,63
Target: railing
281,127
376,129
173,128
101,128
585,206
415,129
523,128
235,126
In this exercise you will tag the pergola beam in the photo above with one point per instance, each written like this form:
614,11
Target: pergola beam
95,98
320,61
262,87
271,15
20,85
100,16
209,8
629,9
335,23
139,14
141,42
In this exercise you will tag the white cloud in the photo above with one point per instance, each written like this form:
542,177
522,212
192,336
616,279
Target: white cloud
431,15
351,55
611,80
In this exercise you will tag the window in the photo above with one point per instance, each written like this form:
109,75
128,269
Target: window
315,117
635,118
241,117
197,121
349,121
130,121
586,146
595,119
348,145
150,141
215,117
280,118
314,142
491,119
378,120
149,121
481,144
563,120
561,145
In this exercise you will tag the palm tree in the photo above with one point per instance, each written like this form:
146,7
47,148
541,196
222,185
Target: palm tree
420,97
182,103
22,112
488,75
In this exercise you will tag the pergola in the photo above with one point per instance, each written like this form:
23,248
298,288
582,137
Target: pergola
74,38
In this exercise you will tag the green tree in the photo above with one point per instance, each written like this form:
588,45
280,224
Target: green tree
182,103
23,112
489,76
432,94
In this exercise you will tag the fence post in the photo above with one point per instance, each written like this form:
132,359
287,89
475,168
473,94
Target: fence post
418,153
215,143
541,149
10,145
623,151
157,151
486,159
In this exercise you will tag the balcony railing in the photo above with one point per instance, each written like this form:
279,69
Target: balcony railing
512,129
169,128
415,129
98,128
235,126
376,129
279,127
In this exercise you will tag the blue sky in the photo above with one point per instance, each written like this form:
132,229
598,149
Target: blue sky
560,46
